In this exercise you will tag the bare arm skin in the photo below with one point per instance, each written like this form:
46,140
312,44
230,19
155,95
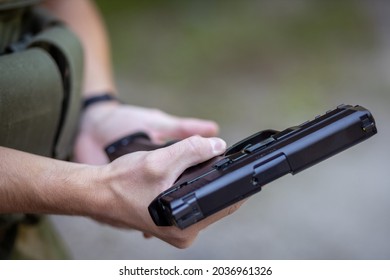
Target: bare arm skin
117,193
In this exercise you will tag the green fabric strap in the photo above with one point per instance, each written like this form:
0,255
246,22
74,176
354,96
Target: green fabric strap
30,99
66,49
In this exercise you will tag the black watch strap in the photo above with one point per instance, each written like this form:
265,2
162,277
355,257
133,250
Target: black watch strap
98,98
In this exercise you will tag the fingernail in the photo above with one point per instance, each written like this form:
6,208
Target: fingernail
218,145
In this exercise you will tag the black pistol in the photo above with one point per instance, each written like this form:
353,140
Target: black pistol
245,167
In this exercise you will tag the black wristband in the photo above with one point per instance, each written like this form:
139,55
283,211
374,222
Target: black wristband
98,98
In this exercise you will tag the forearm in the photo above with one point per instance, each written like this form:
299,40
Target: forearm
117,193
84,19
35,184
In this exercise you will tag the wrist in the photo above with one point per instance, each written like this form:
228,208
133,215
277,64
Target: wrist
105,203
83,192
95,193
99,98
73,190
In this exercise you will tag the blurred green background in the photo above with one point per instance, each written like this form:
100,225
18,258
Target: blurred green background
202,57
252,65
296,49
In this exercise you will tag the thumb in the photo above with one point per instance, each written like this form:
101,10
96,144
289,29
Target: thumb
191,151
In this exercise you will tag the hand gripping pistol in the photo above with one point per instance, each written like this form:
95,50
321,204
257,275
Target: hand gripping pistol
245,167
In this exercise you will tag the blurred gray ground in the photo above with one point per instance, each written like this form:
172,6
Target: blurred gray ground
253,65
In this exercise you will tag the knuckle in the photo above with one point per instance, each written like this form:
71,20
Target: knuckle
233,208
153,167
157,112
183,242
181,239
196,145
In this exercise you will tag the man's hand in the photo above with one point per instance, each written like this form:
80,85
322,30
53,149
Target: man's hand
106,122
133,181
